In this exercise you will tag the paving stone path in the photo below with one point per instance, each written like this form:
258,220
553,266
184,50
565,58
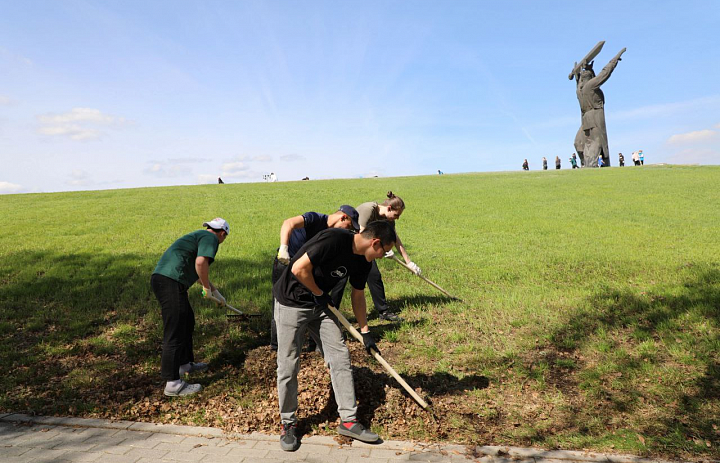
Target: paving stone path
35,439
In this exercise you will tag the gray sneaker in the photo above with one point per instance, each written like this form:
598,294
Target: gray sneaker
183,390
357,431
390,317
288,439
195,367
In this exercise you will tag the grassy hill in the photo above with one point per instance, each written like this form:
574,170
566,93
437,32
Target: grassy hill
591,313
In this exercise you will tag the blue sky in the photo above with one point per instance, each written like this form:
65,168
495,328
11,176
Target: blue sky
110,94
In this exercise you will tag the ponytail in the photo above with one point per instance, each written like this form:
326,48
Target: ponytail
394,202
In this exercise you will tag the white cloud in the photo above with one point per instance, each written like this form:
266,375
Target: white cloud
292,158
234,169
78,123
167,171
261,158
695,156
693,137
667,109
9,188
79,177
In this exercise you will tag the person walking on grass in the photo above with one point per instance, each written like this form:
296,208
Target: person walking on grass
301,304
390,210
557,162
544,162
294,233
186,261
621,160
525,165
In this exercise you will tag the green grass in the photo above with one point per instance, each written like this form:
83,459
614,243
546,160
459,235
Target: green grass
590,313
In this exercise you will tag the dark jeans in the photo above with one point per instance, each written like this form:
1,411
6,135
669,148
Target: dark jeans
178,325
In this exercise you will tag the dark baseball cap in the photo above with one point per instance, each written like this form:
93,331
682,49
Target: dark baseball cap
352,213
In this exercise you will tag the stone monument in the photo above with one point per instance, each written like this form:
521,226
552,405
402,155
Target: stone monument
591,141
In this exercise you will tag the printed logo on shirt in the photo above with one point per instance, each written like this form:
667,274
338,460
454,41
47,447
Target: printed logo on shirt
339,272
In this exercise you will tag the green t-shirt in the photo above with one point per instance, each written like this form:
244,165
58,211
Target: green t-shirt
178,262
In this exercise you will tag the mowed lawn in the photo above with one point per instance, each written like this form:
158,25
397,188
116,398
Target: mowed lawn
590,314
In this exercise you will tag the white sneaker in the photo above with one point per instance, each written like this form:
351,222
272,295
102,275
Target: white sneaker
183,390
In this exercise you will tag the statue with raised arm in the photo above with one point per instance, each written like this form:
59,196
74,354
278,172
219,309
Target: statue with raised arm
591,141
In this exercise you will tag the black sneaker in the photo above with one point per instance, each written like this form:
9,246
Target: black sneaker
288,439
390,317
357,431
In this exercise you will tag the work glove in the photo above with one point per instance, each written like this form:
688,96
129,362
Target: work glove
216,294
389,254
283,255
323,300
206,293
413,266
369,343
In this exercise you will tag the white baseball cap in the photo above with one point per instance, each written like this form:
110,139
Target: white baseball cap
218,224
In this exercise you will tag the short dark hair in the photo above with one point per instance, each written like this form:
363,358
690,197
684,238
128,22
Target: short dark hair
382,230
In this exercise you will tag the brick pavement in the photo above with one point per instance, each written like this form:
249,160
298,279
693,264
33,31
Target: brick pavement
32,439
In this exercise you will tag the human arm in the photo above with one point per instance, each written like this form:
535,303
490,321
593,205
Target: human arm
359,306
303,271
288,226
202,268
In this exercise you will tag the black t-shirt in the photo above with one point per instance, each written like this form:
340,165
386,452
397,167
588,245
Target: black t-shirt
314,224
332,257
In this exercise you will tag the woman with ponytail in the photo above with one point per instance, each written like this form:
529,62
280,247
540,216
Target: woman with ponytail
390,210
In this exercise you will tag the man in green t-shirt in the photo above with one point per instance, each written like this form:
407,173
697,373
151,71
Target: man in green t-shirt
186,261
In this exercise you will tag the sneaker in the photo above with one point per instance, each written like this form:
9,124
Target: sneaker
288,439
390,317
194,367
357,431
183,390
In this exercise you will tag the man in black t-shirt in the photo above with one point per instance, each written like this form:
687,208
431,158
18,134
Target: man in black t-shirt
301,300
294,233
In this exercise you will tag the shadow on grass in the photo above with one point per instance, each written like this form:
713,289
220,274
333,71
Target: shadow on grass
652,368
82,332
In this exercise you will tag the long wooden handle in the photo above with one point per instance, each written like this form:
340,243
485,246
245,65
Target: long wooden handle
426,279
356,334
217,301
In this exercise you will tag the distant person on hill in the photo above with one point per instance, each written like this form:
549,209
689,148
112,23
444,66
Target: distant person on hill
186,261
440,172
544,163
220,182
641,156
636,158
273,177
573,162
601,161
301,304
557,162
525,165
621,160
294,233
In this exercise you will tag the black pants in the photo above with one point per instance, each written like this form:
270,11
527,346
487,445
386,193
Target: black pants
377,289
336,294
178,325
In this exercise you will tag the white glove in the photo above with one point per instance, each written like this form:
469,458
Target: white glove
216,294
283,254
389,254
413,266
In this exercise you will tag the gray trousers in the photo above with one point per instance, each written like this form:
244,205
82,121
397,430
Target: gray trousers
292,323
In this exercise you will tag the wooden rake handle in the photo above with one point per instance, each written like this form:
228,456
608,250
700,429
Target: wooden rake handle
426,279
356,334
239,312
